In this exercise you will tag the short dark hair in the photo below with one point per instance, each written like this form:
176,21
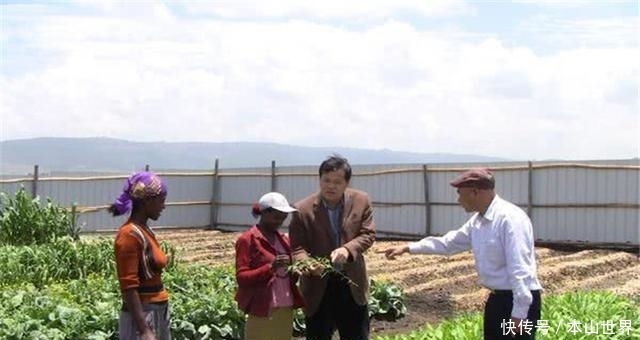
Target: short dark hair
335,163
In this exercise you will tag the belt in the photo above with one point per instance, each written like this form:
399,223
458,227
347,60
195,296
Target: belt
125,308
508,291
150,289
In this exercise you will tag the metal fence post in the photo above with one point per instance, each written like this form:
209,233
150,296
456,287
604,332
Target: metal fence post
213,223
273,175
427,203
75,233
34,183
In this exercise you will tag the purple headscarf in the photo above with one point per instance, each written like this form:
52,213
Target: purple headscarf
139,186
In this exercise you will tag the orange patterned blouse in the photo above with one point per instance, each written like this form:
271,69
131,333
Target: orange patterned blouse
139,262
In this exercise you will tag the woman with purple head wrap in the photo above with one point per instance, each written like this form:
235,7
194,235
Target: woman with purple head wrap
139,186
140,260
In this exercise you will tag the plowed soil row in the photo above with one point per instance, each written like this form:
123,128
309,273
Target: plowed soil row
438,287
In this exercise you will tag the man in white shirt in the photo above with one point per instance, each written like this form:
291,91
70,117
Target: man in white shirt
501,237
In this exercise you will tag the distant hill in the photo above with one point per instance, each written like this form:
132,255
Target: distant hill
115,155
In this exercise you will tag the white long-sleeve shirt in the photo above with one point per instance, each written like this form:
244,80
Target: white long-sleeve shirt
502,244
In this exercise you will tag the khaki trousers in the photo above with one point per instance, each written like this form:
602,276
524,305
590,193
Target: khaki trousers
277,326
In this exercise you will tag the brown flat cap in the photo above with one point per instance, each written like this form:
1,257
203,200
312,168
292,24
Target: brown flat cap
475,178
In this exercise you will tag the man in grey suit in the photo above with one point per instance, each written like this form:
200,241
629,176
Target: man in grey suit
336,222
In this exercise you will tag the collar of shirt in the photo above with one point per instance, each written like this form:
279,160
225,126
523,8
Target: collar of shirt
489,215
340,204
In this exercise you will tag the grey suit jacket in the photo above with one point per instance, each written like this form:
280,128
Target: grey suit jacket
310,234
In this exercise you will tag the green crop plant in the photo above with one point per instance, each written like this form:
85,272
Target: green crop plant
387,300
571,316
25,220
61,260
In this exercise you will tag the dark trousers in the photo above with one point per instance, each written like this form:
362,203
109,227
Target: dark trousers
338,310
497,313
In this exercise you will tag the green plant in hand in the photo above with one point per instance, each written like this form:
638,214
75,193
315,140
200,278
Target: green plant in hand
309,264
312,263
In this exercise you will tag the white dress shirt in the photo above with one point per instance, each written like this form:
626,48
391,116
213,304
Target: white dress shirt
502,244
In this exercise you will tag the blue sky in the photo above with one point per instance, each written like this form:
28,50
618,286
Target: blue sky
522,80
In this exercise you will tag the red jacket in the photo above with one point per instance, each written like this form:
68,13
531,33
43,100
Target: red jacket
254,254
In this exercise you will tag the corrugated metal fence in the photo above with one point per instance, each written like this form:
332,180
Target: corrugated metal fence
590,201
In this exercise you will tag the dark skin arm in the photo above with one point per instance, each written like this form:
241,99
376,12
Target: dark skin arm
132,298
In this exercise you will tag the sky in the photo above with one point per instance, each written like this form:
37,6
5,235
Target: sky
523,80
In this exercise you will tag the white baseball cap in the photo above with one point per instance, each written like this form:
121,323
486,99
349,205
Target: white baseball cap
275,200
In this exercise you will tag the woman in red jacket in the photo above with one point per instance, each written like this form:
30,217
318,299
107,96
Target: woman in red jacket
267,291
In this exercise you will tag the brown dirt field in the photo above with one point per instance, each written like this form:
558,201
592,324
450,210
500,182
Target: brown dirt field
438,287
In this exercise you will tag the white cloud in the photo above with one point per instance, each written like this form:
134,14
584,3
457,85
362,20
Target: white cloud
160,77
327,9
142,9
559,3
583,33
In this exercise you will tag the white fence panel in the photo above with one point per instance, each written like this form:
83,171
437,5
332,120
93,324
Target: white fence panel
590,201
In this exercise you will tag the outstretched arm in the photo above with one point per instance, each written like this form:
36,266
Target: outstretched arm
452,242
